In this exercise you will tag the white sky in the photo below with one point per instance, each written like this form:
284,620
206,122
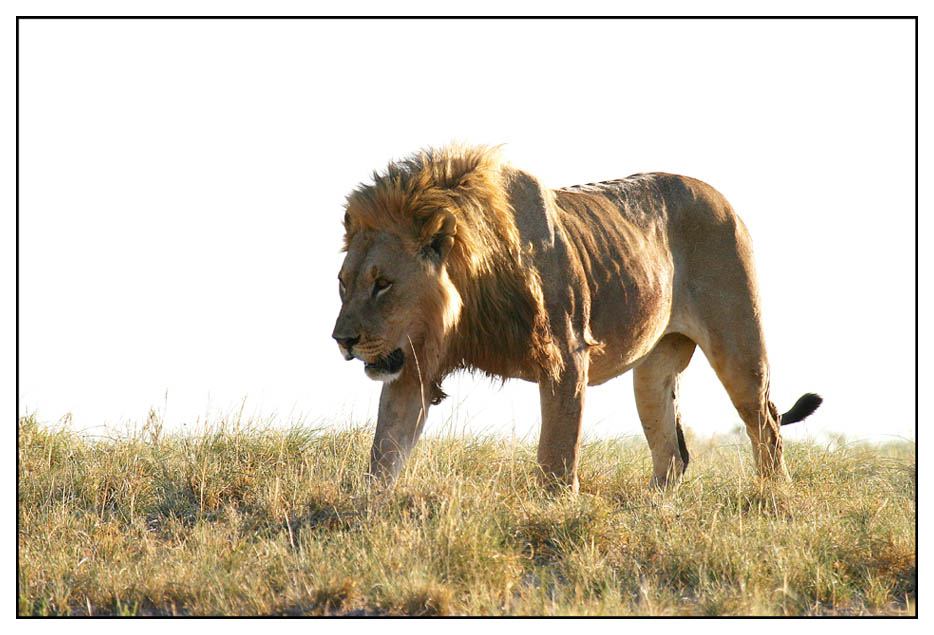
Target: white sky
181,190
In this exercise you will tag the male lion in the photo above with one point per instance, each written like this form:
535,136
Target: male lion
456,260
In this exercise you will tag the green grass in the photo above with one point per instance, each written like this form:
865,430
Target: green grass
247,520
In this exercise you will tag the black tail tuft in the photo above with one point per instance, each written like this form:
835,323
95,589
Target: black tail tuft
804,407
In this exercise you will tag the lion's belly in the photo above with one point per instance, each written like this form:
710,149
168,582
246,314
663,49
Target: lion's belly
605,367
628,322
621,352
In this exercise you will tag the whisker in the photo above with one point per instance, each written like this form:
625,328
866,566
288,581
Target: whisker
421,384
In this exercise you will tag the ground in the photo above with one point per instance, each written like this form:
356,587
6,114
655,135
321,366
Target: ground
251,519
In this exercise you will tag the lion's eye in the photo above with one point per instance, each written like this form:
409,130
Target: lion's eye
381,285
341,287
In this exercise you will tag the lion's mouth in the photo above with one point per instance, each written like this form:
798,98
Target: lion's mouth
385,367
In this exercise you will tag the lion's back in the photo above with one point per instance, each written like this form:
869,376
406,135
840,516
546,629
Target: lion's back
652,195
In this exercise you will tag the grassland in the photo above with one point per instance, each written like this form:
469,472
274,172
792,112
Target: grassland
248,519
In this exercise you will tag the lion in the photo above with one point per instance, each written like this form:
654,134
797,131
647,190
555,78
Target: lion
457,260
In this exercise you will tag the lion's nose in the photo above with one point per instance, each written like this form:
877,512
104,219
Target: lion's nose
347,342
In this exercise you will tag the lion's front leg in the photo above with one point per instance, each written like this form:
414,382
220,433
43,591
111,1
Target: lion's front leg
562,408
403,407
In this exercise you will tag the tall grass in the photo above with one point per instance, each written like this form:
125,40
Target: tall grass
247,520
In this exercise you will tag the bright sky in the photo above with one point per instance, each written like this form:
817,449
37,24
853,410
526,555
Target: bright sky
181,190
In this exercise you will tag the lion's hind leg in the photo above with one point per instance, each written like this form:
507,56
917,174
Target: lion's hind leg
655,382
739,359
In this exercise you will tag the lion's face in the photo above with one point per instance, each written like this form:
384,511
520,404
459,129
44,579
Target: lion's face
388,296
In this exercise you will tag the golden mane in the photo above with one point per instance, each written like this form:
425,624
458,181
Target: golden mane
503,316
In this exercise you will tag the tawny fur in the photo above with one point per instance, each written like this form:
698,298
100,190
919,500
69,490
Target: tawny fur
459,260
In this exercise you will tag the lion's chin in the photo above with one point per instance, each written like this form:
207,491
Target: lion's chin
385,368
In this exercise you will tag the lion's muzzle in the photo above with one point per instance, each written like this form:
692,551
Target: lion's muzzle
345,344
385,368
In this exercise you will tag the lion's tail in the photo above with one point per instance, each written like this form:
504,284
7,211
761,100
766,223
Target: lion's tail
804,407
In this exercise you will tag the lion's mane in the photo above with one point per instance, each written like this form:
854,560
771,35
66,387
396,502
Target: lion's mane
502,317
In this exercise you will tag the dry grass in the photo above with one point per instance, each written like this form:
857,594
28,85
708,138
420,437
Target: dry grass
246,520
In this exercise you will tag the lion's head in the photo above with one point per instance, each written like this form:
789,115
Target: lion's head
434,277
395,295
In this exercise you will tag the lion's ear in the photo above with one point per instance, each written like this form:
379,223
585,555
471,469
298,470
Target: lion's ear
437,234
